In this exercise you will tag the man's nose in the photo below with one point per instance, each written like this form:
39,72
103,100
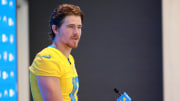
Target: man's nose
76,30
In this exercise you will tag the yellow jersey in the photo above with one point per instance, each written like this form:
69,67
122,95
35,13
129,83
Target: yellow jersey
51,62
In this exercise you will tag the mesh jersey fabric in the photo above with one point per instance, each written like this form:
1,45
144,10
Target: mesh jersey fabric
51,62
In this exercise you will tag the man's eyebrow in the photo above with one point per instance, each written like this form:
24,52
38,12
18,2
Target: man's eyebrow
74,24
80,25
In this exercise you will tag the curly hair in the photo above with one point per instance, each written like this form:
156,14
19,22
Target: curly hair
60,13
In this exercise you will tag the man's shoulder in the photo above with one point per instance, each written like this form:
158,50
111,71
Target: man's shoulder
45,54
46,51
51,54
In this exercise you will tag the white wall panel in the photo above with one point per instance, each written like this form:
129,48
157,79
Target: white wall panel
23,50
171,49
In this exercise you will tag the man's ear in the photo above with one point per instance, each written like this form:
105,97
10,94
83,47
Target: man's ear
54,28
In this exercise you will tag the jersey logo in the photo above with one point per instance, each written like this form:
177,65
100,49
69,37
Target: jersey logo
48,57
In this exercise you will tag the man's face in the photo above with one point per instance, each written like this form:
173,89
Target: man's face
70,31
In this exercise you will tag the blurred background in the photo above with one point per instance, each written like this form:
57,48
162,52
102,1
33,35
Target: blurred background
129,45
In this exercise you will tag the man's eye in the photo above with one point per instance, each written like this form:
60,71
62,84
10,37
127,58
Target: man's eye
79,27
70,26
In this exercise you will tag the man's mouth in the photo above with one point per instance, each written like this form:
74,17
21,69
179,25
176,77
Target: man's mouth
75,38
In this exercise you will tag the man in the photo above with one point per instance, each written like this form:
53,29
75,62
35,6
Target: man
53,75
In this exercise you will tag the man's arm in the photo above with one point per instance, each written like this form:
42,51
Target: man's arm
49,88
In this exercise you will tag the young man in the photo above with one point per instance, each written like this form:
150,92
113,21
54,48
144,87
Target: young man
53,75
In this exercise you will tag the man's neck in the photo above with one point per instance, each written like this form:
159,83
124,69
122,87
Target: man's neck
63,48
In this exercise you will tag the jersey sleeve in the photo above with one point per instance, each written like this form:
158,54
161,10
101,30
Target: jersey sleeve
43,66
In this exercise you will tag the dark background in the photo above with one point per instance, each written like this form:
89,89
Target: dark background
120,47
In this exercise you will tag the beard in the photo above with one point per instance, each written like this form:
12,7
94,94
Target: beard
73,43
